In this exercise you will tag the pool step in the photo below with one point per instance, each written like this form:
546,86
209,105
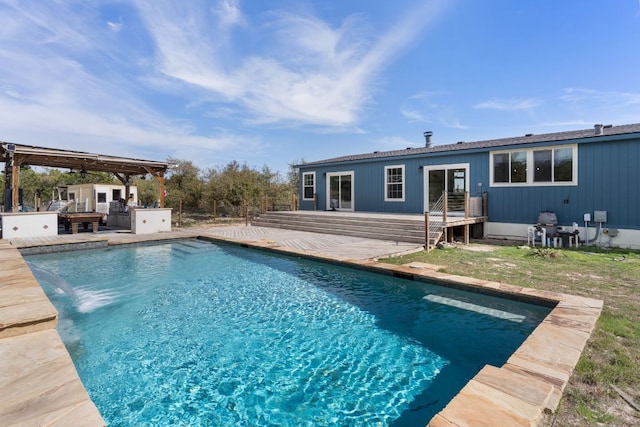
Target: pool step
410,229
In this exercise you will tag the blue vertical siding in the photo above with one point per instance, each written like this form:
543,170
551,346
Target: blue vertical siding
608,179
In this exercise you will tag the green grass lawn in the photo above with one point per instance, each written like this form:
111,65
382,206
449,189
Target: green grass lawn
612,356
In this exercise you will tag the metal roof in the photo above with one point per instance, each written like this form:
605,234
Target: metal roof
78,160
606,131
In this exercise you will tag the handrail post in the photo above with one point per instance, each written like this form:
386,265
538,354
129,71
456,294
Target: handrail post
427,231
485,204
466,204
445,208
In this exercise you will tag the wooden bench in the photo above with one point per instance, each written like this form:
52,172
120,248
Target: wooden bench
84,218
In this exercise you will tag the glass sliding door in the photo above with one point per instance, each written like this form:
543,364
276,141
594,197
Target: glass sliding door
340,191
456,181
452,179
436,186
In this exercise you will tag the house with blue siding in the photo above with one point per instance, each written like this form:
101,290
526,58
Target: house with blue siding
586,177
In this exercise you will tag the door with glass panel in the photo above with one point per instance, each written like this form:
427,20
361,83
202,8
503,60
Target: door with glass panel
340,191
452,179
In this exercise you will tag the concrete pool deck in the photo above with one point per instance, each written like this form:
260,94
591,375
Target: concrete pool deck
42,387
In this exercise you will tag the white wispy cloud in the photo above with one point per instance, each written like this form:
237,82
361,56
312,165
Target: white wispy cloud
454,123
81,78
311,73
414,116
569,124
610,98
510,104
62,89
229,13
431,107
591,106
115,26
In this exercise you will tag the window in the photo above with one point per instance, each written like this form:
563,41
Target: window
394,183
563,165
510,167
501,167
102,197
553,165
308,185
548,166
542,165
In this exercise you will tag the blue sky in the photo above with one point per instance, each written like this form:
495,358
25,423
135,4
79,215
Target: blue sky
276,82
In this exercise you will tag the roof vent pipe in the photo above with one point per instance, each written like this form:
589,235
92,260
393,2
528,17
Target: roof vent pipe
598,128
427,139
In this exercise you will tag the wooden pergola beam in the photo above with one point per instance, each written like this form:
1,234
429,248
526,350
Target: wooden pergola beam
16,155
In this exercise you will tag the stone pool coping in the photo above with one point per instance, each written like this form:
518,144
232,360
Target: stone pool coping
46,390
40,384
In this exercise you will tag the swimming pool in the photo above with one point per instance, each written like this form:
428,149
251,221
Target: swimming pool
195,333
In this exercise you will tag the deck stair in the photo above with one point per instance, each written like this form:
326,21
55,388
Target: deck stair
400,228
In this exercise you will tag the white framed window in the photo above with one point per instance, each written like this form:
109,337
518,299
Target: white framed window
394,183
308,185
544,166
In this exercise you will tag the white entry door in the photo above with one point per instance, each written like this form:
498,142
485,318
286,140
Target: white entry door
340,191
452,179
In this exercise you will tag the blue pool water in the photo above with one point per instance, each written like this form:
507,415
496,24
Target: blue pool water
195,333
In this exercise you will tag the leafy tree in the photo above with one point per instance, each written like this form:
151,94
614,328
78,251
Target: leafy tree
294,175
74,177
148,190
183,183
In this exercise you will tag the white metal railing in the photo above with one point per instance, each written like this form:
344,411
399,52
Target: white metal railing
434,223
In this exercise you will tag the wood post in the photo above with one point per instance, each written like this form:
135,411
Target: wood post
466,204
445,207
427,232
160,179
485,204
214,210
15,186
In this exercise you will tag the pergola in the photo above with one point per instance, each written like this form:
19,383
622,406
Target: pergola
17,155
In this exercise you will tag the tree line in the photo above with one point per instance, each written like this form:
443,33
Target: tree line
231,187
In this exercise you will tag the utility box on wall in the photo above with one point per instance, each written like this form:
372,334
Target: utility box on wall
600,216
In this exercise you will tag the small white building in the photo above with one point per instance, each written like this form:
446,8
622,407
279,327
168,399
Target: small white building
98,197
